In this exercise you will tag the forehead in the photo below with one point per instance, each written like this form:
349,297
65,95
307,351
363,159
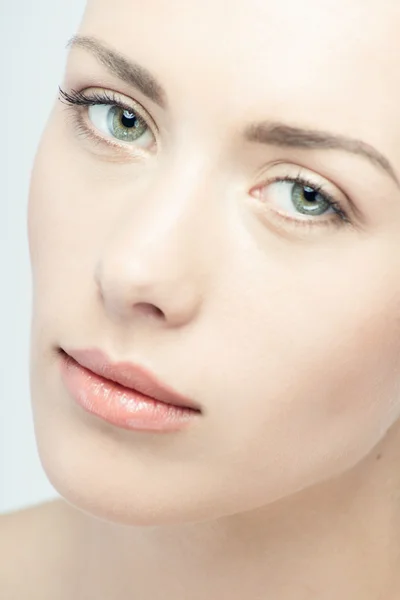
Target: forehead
227,28
314,62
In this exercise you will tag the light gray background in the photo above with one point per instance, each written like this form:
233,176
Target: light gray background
33,35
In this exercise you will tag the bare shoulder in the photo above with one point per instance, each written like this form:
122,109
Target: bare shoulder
35,543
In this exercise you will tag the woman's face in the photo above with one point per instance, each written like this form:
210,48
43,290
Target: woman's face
235,243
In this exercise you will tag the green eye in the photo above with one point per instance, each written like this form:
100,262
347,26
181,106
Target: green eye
299,201
125,125
308,201
293,197
121,124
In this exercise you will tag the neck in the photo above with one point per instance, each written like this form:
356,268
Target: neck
338,540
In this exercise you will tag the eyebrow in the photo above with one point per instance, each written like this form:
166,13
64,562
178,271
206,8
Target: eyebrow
269,133
123,68
279,134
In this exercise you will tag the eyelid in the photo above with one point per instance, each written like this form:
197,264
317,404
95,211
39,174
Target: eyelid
282,170
293,171
80,101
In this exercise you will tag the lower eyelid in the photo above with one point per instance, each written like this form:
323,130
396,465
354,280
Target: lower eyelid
84,129
337,215
306,224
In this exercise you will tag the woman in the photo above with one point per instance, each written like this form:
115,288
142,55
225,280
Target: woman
214,223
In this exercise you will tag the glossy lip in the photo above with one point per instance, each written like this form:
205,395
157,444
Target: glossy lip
129,375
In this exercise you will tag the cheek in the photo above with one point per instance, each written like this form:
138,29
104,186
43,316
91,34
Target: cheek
61,234
60,252
49,189
306,362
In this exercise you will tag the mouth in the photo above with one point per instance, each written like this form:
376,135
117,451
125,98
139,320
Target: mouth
130,376
124,394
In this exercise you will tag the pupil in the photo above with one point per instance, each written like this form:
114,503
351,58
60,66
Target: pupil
309,194
129,119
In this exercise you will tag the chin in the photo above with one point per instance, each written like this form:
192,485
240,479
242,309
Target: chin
138,500
126,482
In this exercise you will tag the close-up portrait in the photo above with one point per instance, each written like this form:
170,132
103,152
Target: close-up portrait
200,349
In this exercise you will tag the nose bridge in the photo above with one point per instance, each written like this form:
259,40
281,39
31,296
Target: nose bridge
171,213
162,249
172,205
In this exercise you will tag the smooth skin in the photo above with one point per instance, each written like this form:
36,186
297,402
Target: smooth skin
183,251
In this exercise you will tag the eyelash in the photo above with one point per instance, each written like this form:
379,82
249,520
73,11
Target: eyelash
75,99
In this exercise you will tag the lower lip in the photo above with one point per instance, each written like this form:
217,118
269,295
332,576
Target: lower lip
121,406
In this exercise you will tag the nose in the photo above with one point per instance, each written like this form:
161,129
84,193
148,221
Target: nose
156,262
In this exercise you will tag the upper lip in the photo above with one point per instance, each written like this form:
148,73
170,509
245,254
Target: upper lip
129,375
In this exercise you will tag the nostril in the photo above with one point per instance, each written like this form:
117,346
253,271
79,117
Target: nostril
148,309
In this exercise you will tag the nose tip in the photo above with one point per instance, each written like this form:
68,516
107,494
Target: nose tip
127,297
114,303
